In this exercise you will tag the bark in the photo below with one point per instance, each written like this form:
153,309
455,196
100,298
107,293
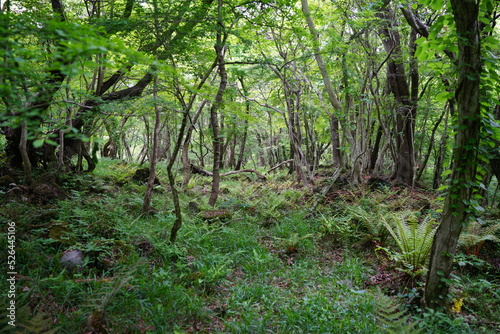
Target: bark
292,95
423,164
214,122
217,104
201,171
178,143
405,110
463,177
376,148
187,141
40,102
146,205
243,143
335,103
279,165
23,149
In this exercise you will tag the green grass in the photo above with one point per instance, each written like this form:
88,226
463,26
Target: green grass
222,277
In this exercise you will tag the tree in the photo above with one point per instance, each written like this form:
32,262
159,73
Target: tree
332,96
405,108
463,179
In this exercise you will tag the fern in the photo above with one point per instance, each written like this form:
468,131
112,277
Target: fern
393,319
370,215
413,239
475,235
28,324
102,299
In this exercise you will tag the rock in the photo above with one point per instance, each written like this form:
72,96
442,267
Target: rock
72,259
60,231
213,215
376,183
46,188
194,207
6,181
142,175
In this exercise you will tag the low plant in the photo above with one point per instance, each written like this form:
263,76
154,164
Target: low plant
413,238
432,322
393,317
370,215
208,272
291,243
475,235
339,227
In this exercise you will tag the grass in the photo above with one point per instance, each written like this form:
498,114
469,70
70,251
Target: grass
239,276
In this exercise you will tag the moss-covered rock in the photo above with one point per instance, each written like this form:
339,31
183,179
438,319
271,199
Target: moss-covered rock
216,215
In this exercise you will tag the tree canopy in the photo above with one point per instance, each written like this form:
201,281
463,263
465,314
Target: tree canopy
404,91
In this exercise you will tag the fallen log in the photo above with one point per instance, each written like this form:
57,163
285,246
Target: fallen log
201,171
279,165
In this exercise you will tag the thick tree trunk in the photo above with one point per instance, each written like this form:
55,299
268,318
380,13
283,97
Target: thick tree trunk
463,176
405,110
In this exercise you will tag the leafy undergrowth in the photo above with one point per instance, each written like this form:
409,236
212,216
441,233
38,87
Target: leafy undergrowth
269,265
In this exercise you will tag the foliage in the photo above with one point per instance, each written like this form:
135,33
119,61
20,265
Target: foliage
439,322
291,244
476,233
29,323
393,318
234,277
413,238
245,275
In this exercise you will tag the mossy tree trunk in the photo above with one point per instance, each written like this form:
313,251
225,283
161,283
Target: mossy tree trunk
463,176
216,105
406,109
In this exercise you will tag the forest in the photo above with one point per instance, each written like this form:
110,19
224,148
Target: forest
241,166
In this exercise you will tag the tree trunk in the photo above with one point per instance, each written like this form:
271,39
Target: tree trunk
187,142
23,149
335,103
243,143
405,110
216,105
214,122
423,164
146,205
463,176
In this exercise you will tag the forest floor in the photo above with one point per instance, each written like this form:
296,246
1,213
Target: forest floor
270,258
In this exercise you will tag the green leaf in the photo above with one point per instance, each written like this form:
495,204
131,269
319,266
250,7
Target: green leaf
444,96
478,208
446,172
437,4
38,143
420,40
51,142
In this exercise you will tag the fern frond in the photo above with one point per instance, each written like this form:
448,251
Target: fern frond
413,239
393,319
100,300
476,233
28,324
